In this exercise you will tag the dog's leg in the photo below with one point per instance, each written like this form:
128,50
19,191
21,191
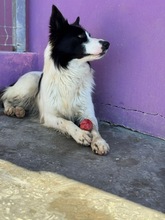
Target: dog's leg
68,127
10,110
98,144
21,96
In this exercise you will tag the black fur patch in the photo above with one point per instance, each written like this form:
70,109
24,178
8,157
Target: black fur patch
66,39
39,84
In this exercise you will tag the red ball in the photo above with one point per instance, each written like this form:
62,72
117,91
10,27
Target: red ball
86,124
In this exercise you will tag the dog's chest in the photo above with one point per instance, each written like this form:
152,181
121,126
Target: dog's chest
67,98
68,93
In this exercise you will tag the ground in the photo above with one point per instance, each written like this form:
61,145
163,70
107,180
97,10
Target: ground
134,168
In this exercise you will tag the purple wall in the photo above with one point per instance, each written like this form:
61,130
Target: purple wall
13,65
131,77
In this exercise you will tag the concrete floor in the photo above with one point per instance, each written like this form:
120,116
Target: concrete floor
134,169
27,195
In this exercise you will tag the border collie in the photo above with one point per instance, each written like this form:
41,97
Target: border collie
63,92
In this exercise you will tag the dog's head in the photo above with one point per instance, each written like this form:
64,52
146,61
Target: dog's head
72,41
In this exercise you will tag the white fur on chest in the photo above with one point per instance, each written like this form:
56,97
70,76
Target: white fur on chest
66,93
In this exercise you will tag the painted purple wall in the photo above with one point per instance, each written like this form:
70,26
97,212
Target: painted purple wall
13,65
131,77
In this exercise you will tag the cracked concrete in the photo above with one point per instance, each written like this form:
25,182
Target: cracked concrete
134,169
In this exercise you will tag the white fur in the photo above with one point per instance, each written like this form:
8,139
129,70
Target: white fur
65,95
93,46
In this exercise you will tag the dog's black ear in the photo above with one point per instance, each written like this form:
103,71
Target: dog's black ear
57,20
77,21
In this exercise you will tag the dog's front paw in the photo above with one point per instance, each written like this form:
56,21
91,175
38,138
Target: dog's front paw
83,137
100,146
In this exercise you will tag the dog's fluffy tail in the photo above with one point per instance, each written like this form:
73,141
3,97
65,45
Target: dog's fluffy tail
21,97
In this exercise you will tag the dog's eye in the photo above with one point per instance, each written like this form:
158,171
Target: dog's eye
81,36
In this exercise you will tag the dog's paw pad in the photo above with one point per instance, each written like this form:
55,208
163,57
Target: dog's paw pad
100,147
10,111
19,112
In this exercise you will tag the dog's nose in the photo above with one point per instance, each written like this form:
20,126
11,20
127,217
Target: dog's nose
105,44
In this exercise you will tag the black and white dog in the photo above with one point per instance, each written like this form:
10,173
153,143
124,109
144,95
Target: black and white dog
62,93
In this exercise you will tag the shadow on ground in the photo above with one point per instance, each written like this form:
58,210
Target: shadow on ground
134,168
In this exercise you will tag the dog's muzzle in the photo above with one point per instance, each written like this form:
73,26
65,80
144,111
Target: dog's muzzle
105,45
